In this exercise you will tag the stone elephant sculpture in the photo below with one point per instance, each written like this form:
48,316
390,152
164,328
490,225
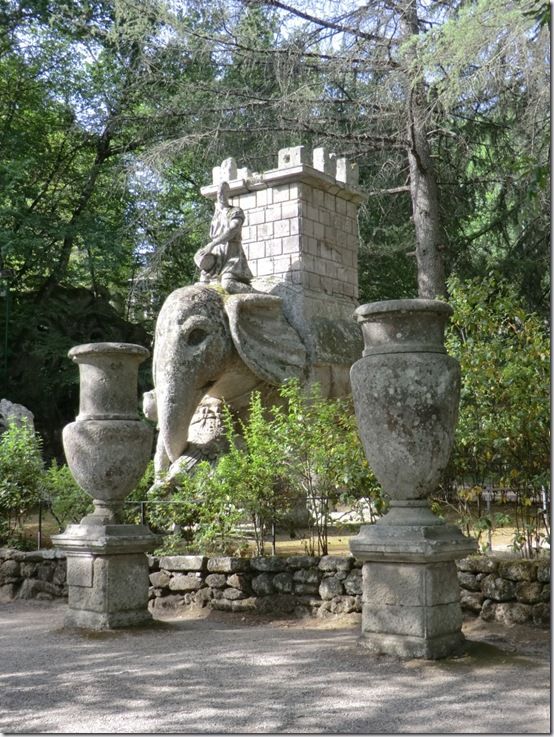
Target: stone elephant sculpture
210,345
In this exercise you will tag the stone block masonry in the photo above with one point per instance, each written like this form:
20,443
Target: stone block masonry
511,591
301,221
301,240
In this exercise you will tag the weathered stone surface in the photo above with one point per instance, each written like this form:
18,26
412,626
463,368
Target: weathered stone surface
283,583
343,605
353,582
216,580
276,604
272,564
165,603
306,575
228,565
9,569
244,605
305,588
31,587
302,561
7,592
487,610
160,579
249,331
529,592
312,602
331,587
60,573
498,589
324,611
477,564
180,582
410,584
45,571
545,595
39,556
225,605
412,621
183,562
513,613
541,614
521,570
203,596
233,594
263,584
471,601
543,571
335,563
238,581
469,581
15,414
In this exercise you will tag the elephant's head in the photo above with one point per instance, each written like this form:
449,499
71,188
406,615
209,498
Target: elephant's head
204,339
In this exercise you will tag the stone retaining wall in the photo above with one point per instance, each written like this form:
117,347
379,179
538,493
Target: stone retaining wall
508,591
298,585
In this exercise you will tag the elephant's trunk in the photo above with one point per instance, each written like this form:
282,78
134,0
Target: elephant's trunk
177,403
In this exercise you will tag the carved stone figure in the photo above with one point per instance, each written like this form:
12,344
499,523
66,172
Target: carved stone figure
223,258
210,346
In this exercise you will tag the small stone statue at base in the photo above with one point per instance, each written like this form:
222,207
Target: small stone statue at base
223,259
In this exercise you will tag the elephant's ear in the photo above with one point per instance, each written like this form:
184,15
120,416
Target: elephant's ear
265,341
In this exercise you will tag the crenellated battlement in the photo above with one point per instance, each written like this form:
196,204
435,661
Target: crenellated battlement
301,219
300,237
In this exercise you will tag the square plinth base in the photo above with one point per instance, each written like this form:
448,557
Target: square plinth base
107,575
107,591
404,646
411,609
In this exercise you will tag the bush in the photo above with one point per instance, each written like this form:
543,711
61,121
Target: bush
65,498
306,449
502,437
21,469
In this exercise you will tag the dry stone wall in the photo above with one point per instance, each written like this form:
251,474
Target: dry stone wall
510,591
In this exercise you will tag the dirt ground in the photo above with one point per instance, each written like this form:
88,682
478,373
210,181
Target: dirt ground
221,673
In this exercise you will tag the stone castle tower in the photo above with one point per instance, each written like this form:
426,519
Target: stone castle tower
300,237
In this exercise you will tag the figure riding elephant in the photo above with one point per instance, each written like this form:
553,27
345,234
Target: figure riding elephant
210,344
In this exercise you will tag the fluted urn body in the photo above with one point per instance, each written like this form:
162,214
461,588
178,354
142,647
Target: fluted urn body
107,447
406,392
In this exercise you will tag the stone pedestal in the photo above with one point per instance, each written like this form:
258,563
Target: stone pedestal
107,575
411,596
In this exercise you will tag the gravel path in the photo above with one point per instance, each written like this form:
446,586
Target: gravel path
220,673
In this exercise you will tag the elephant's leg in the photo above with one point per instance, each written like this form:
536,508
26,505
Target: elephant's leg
161,459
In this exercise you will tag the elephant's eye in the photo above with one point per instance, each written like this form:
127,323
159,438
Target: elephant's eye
196,336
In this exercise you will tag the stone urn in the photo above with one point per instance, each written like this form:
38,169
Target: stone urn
406,392
107,447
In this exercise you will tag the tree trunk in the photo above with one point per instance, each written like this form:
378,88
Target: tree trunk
429,233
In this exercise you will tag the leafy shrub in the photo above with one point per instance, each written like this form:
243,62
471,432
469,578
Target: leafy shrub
21,469
502,437
65,498
305,449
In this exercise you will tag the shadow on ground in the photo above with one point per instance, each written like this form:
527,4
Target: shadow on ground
222,673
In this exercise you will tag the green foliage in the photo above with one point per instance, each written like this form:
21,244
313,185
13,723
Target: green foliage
131,512
504,354
67,502
502,437
324,460
21,468
304,451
